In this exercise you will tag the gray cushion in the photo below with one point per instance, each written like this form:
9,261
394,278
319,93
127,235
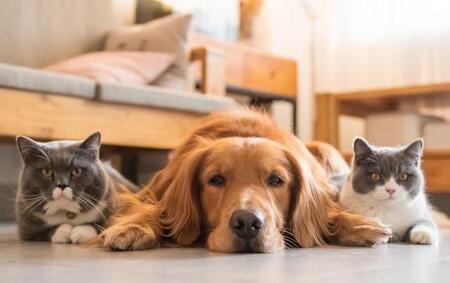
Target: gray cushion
44,81
164,98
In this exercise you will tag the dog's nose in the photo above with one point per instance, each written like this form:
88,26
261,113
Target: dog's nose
246,223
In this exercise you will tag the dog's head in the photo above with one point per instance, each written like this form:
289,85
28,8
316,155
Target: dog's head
246,195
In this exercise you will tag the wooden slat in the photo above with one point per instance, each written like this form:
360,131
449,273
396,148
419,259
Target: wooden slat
212,69
48,117
250,69
361,108
420,90
326,123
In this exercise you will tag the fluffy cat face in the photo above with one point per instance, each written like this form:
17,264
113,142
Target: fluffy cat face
61,176
388,175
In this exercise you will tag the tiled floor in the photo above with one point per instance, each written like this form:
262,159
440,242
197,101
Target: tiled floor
43,262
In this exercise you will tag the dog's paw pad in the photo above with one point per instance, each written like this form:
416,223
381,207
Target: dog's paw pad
118,241
128,238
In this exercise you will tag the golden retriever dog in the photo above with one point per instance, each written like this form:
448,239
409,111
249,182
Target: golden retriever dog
329,157
331,160
240,184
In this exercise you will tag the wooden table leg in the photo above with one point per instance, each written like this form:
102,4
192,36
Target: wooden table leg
327,119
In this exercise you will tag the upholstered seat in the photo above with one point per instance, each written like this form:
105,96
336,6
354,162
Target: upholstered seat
13,76
154,96
19,77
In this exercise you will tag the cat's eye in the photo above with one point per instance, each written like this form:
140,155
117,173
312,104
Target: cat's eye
275,181
77,172
46,172
217,181
403,177
375,177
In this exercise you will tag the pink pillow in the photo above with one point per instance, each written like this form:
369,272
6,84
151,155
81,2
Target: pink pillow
132,67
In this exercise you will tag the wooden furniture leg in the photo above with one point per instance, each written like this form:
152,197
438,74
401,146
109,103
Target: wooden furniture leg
212,69
327,119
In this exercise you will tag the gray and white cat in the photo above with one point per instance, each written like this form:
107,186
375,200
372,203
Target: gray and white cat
65,192
387,183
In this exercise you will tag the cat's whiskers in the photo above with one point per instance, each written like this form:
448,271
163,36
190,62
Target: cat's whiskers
83,205
32,196
93,201
99,228
92,208
32,203
91,198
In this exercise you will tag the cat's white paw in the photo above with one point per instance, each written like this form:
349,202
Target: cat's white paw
82,234
423,235
62,234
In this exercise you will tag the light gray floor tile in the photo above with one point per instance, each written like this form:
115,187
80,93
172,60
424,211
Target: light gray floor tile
44,262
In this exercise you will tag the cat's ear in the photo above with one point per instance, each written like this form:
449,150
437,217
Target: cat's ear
415,149
30,150
92,143
361,147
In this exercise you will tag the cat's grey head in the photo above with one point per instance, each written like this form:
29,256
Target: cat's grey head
61,175
387,174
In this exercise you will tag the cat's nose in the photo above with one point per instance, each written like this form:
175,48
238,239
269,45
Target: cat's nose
62,186
390,191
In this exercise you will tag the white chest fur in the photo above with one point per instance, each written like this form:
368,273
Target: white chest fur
60,217
399,215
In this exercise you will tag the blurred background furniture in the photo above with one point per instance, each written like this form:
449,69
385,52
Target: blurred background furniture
139,123
57,106
260,76
392,118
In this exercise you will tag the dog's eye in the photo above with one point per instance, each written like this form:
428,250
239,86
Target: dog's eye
274,181
217,181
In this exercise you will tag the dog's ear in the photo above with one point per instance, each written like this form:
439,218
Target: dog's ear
180,201
312,206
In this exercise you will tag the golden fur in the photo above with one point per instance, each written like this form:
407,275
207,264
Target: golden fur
329,157
245,147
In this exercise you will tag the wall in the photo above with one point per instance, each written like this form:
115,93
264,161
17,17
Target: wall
41,32
365,44
216,18
284,28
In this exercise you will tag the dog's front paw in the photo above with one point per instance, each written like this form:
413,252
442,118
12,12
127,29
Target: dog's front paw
129,237
357,230
62,234
423,235
373,233
82,234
